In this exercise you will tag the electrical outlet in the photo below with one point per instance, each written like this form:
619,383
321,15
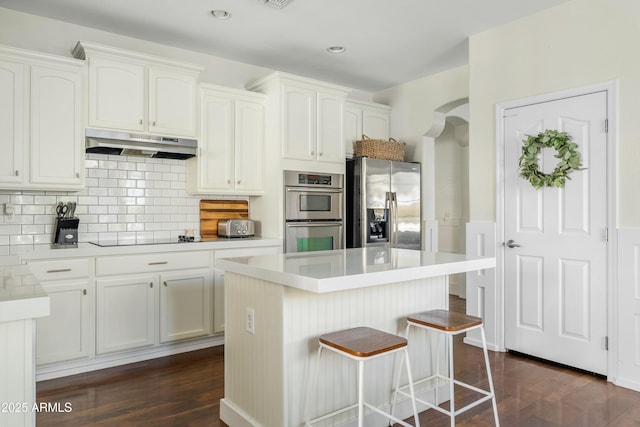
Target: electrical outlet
250,320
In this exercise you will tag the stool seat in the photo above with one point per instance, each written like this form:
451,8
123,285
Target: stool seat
445,320
363,341
362,344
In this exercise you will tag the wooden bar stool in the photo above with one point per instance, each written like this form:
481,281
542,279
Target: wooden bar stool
448,324
362,344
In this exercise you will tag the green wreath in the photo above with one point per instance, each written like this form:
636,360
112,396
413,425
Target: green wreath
570,159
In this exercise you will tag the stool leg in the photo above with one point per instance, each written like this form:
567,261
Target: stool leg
310,387
416,419
490,378
360,393
437,369
399,374
452,405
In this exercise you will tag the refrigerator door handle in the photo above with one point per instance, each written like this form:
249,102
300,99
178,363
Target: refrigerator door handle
394,223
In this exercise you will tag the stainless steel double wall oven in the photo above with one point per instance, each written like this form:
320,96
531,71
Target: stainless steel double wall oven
313,211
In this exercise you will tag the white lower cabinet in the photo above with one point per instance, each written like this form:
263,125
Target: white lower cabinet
66,333
185,305
126,312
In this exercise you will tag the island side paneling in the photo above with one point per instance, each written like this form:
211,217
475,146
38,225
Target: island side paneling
266,373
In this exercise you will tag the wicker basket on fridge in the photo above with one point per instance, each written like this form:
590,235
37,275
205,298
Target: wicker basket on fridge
380,148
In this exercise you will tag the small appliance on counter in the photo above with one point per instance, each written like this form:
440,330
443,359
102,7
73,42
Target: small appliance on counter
66,226
235,227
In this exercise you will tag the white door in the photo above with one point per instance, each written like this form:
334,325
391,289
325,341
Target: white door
555,281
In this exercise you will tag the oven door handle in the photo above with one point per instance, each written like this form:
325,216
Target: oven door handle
314,190
315,224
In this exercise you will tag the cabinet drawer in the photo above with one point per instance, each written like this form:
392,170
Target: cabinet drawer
149,263
60,269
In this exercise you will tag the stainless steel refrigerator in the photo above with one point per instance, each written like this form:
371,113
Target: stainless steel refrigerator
382,203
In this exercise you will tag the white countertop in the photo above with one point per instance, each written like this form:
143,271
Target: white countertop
21,296
46,251
338,270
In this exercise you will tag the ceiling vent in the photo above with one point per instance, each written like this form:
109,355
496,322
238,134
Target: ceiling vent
278,4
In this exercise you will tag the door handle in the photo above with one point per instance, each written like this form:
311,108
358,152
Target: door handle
512,244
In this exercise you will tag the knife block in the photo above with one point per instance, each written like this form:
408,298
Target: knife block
66,232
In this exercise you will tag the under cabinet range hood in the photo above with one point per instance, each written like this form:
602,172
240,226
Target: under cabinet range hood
135,144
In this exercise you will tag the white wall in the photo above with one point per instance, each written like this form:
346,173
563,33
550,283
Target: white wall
578,43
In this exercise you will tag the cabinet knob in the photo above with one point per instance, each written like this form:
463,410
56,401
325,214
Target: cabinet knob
238,181
140,121
84,292
228,181
151,284
320,154
17,173
312,153
154,123
165,283
77,174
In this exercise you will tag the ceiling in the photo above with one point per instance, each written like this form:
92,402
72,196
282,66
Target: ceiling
387,42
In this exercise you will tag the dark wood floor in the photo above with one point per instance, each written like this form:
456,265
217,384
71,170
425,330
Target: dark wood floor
184,390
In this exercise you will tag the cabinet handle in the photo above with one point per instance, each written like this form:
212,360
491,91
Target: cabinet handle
154,123
151,284
84,292
159,263
140,121
77,174
62,270
17,173
165,283
320,154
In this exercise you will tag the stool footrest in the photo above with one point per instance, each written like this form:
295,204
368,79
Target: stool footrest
487,394
354,406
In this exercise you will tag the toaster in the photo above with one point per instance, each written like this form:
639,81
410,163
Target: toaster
235,228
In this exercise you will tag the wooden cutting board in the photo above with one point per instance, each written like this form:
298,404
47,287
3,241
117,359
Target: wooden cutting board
212,211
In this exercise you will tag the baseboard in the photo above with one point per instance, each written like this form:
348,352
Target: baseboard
63,369
234,417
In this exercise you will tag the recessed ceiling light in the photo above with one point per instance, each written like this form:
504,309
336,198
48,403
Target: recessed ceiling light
336,49
220,14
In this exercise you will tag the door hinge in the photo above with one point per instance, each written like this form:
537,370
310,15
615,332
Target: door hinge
606,343
606,125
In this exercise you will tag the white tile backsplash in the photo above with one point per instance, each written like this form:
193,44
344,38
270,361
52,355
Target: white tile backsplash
125,198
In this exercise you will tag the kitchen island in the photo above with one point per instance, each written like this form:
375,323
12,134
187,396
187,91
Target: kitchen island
22,300
278,305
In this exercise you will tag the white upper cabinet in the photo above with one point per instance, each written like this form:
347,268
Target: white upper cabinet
311,117
367,119
12,111
132,91
42,121
230,157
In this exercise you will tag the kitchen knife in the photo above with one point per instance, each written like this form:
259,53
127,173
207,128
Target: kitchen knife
72,209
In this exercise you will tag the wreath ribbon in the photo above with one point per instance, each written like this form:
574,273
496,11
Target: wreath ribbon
569,158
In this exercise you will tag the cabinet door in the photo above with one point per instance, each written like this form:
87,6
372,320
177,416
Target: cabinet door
299,122
375,124
66,333
172,102
249,142
126,313
12,111
352,129
216,144
57,154
330,130
185,305
116,94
